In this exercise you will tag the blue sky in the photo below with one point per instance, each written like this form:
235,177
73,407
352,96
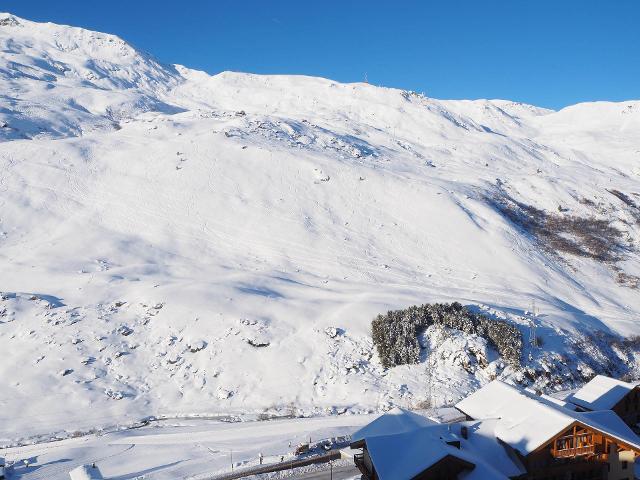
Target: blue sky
549,53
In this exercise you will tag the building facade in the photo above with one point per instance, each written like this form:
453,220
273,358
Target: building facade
510,433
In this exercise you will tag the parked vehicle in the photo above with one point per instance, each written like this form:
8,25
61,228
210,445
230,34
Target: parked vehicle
302,448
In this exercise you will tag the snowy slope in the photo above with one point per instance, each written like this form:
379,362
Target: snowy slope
60,81
176,242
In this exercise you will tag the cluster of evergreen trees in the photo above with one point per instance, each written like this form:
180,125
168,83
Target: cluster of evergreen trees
395,334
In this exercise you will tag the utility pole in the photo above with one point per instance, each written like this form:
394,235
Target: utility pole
429,395
331,469
231,451
533,339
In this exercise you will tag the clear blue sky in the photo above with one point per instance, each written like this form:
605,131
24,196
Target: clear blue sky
549,53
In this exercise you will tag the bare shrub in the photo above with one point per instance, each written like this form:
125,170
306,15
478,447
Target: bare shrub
627,280
587,201
632,343
633,207
624,197
588,237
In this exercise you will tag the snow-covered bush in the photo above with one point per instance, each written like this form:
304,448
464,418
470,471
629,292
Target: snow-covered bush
505,336
395,334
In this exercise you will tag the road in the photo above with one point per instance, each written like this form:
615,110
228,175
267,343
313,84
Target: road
277,467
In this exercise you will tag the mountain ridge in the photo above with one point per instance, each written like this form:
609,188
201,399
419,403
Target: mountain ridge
220,244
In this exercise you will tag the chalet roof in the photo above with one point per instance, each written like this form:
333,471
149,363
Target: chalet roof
394,421
406,455
482,440
601,393
526,421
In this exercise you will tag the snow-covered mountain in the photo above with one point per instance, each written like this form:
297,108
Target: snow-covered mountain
174,242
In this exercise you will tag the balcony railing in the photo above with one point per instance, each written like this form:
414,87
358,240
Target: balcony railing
575,452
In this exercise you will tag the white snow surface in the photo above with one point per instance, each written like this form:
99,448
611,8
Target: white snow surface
173,242
86,472
395,421
601,393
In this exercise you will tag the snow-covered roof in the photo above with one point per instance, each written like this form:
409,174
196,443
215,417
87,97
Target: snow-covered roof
482,440
554,399
526,421
396,420
607,421
601,393
86,472
445,415
405,455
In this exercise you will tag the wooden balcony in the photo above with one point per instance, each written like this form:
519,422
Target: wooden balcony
575,452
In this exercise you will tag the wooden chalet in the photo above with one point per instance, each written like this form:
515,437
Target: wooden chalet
605,393
510,433
584,453
555,442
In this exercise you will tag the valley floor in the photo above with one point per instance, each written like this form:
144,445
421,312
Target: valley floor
186,449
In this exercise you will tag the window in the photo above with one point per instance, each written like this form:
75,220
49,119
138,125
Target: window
625,465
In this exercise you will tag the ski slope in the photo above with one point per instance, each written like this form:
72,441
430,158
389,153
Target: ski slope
175,242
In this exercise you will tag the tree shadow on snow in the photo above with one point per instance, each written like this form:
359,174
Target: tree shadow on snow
588,323
260,291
